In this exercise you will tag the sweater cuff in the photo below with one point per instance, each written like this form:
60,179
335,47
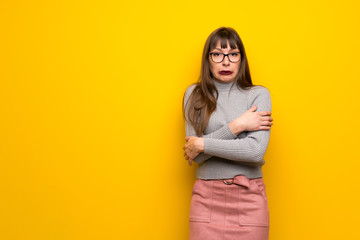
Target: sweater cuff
223,133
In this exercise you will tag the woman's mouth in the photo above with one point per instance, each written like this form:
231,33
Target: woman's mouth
225,72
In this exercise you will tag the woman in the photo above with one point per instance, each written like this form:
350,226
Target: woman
227,121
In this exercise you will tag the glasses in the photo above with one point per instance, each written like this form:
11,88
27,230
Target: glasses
219,57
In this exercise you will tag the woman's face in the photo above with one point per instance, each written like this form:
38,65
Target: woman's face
224,71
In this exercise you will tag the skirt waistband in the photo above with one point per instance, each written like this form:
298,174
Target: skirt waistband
240,180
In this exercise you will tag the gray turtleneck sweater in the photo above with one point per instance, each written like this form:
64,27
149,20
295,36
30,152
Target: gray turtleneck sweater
225,154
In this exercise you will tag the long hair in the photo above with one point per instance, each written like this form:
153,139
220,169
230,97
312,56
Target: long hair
202,101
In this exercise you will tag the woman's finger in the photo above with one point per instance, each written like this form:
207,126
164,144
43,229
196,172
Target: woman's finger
265,113
267,123
267,118
190,162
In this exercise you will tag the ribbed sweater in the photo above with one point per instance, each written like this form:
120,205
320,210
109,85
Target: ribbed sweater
225,154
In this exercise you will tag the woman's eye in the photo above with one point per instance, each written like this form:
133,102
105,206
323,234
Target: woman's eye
234,54
216,54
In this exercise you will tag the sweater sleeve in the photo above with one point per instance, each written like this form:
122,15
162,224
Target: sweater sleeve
250,149
222,133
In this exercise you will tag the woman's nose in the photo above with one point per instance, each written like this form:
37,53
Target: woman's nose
226,60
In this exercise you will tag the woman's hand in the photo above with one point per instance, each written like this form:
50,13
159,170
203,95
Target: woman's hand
193,147
251,121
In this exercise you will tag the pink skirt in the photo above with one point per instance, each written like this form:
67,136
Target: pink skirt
229,209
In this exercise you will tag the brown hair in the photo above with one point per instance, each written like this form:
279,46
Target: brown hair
202,102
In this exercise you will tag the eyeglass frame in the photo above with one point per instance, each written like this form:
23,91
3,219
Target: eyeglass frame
224,55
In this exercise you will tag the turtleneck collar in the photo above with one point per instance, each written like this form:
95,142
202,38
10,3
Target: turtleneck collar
223,87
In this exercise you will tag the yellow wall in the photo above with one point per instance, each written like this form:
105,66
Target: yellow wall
91,126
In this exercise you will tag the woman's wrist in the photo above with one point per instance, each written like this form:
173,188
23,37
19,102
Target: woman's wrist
236,127
200,144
